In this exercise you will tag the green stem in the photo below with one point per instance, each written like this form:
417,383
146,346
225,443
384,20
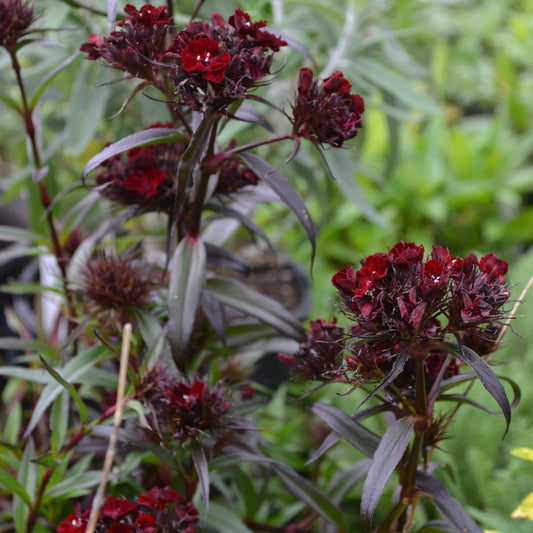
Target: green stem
397,511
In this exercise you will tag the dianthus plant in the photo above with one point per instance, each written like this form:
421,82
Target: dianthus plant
129,391
418,327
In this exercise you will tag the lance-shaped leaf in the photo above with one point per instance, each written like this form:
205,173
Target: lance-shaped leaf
271,176
345,480
72,371
82,409
187,279
140,138
200,465
486,375
387,456
356,434
450,509
298,485
237,295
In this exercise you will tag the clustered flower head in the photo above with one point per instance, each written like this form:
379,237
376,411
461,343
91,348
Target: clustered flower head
403,304
186,410
139,44
215,64
15,18
319,358
114,285
161,510
210,65
144,177
326,112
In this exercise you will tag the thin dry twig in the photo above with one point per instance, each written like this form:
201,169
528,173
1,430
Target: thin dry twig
111,449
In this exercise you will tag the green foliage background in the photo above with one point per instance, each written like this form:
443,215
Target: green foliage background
445,157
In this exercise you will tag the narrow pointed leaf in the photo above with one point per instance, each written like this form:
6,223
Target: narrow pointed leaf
140,138
82,409
45,82
450,509
235,294
200,465
345,480
387,456
298,485
248,113
11,103
111,14
224,520
487,377
10,484
13,234
343,168
72,371
187,279
356,434
224,258
271,176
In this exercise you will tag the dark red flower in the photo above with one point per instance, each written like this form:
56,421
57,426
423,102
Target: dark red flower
160,497
76,522
320,357
216,64
139,44
203,55
114,508
15,18
121,528
326,113
143,176
186,410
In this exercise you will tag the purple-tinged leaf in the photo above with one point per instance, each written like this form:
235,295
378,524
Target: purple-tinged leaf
387,456
298,485
225,259
140,138
356,434
462,399
450,509
187,279
237,295
334,437
295,45
270,175
397,369
248,113
111,14
242,218
139,87
345,480
200,465
215,314
486,375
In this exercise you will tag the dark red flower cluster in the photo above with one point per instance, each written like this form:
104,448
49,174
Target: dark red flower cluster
15,18
233,176
161,510
114,285
186,410
215,64
138,46
399,299
320,357
144,177
326,113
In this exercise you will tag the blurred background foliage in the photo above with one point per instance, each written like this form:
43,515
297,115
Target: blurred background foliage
445,157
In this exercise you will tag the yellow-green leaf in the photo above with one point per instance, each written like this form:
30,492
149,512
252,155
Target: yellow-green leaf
525,509
523,453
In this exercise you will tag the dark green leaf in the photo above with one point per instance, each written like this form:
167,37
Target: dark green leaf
387,456
357,435
486,375
43,84
450,509
237,295
224,520
271,176
82,410
187,279
343,169
10,484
